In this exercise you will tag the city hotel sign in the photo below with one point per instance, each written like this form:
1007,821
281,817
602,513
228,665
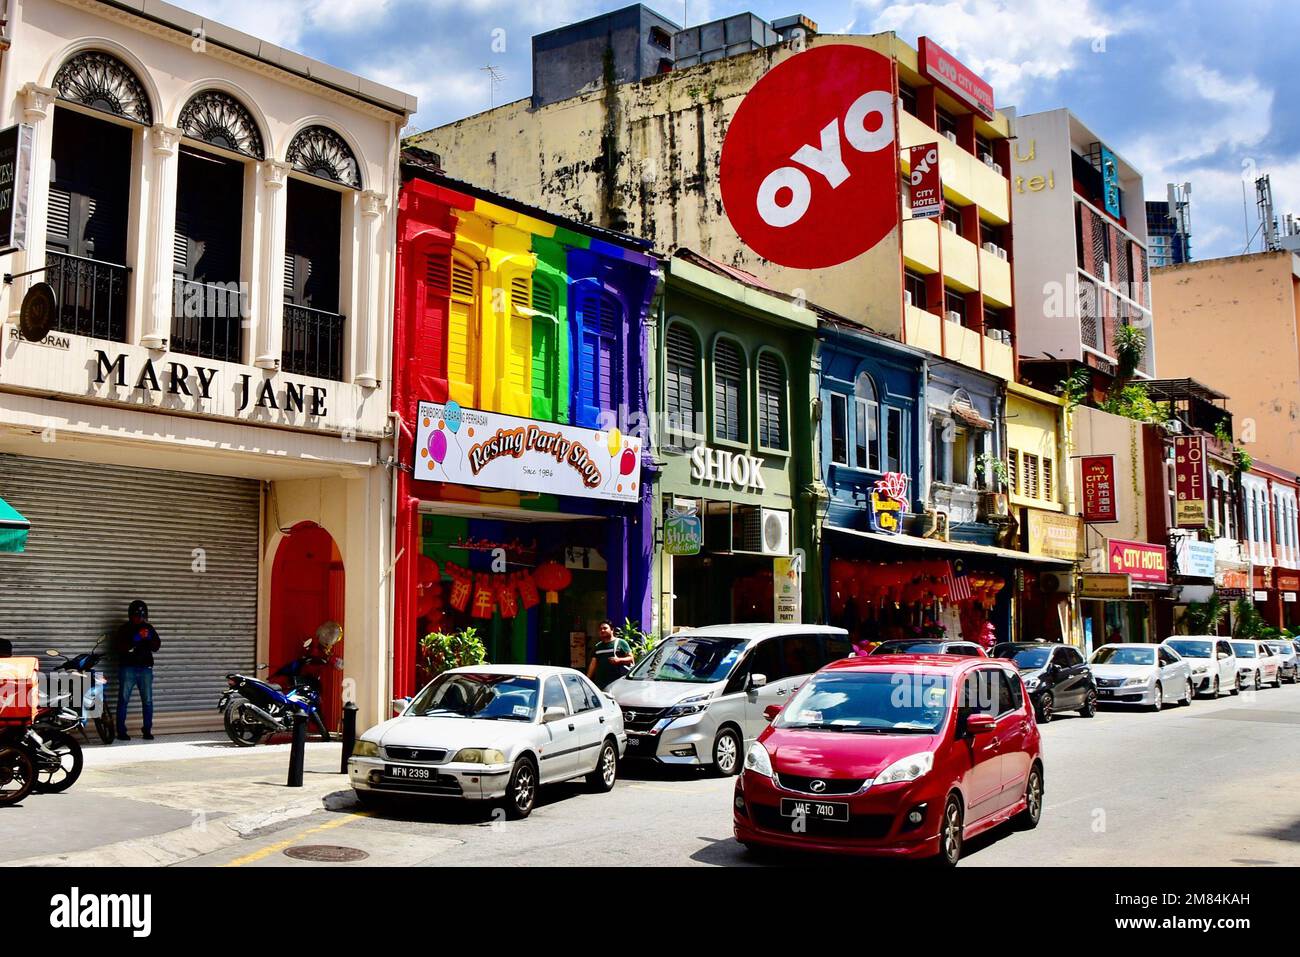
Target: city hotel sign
1139,560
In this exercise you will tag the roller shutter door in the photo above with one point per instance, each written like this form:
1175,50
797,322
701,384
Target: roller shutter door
103,535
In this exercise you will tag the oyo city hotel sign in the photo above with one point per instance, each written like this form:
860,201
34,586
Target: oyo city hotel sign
1139,560
720,467
491,450
809,170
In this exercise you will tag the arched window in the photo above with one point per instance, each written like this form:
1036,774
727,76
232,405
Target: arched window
102,82
220,120
729,391
546,347
866,453
772,432
319,151
681,371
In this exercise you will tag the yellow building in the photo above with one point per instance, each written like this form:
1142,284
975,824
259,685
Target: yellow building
644,157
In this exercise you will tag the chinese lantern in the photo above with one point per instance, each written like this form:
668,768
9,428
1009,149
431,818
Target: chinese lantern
552,578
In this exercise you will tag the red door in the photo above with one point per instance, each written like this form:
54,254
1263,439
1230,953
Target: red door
306,591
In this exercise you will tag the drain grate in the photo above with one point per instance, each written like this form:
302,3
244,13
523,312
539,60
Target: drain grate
326,853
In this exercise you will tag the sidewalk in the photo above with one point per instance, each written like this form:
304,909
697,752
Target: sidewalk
160,802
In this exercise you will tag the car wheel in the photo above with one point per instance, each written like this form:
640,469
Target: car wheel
950,833
726,753
1045,705
1160,698
1028,819
1277,679
1191,693
1236,689
1089,709
1215,693
1259,683
521,792
602,779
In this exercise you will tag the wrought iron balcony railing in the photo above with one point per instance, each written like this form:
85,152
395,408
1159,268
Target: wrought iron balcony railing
207,320
313,342
90,295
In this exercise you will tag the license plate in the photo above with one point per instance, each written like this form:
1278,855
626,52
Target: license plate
815,810
1105,692
403,773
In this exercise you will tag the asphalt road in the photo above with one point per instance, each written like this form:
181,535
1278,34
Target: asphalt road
1212,784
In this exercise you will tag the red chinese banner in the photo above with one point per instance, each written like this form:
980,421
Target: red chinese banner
1140,561
1098,487
1190,482
927,188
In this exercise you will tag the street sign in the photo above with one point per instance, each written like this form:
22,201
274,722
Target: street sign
1105,586
15,186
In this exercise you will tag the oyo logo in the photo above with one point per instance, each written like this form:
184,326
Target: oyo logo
809,171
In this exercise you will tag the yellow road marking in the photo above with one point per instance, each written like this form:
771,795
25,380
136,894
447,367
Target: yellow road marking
289,842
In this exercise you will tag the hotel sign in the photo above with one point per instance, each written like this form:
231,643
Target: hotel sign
1099,489
1140,560
943,68
1105,586
1190,482
927,187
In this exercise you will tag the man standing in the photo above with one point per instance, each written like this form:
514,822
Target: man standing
612,658
135,643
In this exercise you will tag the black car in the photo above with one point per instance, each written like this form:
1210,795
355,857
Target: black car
928,646
1056,677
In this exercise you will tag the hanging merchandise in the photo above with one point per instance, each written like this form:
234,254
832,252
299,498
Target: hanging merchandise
552,578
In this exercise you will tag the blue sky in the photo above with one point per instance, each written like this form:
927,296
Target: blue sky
1185,90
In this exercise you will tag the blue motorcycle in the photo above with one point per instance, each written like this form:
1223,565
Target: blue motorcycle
78,671
254,708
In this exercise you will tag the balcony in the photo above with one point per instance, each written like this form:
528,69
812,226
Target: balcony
960,260
995,278
207,320
965,175
90,295
313,342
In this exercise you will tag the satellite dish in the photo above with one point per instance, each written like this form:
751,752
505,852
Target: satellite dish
36,316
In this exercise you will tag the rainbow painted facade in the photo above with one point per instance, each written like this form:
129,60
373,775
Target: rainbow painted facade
507,318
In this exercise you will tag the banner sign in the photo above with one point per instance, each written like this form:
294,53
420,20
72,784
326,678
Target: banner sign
1105,586
787,591
1110,182
491,450
1196,559
1139,560
15,186
1190,482
683,528
1099,489
1053,535
888,503
943,68
927,186
1285,581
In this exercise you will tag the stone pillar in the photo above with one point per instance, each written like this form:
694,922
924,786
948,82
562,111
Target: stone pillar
367,320
38,112
270,306
157,324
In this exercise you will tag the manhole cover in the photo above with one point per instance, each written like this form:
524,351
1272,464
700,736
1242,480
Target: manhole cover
326,853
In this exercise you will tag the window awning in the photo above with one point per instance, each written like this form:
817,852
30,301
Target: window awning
963,410
13,528
965,548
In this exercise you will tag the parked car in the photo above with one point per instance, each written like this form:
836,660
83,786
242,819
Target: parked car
1056,677
698,697
928,646
493,733
1257,664
1288,660
1212,660
851,765
1142,674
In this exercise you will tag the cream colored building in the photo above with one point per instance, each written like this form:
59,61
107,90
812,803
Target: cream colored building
644,158
203,418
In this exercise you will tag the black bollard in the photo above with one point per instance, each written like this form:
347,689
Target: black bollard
297,750
349,734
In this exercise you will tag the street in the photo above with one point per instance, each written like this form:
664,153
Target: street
1212,784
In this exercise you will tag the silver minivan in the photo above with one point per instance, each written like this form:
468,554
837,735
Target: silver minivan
698,698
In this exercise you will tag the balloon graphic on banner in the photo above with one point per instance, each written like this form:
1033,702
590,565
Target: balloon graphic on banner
451,415
627,463
438,445
614,441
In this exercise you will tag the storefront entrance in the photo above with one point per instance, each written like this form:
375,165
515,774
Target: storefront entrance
721,589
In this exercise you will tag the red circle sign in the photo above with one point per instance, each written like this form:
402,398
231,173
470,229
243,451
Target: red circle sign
809,170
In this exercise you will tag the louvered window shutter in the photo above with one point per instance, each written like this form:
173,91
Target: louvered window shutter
771,402
462,344
728,377
588,362
519,350
679,379
431,335
545,344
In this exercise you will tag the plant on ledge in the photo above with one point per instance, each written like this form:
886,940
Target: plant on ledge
992,471
1241,459
1074,388
1133,402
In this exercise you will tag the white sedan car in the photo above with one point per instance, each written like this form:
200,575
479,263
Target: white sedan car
1212,660
1288,661
1257,664
1142,674
493,733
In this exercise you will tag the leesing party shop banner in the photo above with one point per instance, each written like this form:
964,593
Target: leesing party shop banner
491,450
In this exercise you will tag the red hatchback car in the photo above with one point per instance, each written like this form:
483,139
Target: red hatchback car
893,756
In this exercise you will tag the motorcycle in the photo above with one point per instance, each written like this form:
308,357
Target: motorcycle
93,708
41,756
254,708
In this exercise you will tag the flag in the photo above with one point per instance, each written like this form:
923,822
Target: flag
958,585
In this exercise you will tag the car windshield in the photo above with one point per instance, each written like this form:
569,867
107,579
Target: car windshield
1280,649
1191,649
1244,649
1026,659
690,658
1119,655
883,702
460,694
909,647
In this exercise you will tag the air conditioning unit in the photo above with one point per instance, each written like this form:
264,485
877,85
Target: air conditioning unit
991,164
994,507
907,296
954,316
949,225
1002,254
992,248
1049,583
776,531
952,137
1175,426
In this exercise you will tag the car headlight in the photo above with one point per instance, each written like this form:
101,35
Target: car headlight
479,756
758,760
1135,681
1032,683
906,769
1201,669
688,706
365,749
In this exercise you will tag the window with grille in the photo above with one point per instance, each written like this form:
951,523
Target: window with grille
728,391
895,430
1049,486
771,402
682,360
1031,475
1013,470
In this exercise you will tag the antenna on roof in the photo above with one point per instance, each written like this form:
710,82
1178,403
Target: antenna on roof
495,79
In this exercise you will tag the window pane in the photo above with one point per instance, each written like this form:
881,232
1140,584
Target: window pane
860,435
679,380
894,441
728,372
840,429
771,402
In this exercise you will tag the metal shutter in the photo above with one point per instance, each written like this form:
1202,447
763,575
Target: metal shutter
103,535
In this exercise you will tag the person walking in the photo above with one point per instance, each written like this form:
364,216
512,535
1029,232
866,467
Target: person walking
135,643
612,658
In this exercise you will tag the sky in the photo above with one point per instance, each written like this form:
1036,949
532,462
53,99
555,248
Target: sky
1185,90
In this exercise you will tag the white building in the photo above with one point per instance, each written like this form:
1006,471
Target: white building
205,424
1080,243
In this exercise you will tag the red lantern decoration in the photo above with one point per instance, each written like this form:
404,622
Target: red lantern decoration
552,578
528,593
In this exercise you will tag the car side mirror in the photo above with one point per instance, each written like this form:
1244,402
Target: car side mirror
554,713
770,712
980,724
757,681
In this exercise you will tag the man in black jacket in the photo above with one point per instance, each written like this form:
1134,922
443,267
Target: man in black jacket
135,643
